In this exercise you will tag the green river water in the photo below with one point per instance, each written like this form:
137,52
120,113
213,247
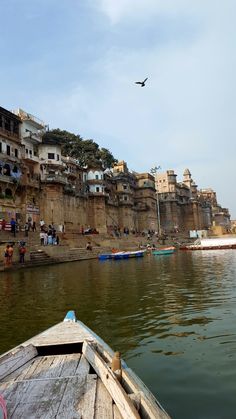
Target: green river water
172,317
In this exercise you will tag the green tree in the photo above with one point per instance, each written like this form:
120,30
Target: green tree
87,152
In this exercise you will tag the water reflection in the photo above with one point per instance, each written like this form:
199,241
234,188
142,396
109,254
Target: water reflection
171,317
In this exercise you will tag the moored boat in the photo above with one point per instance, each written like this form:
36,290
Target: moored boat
122,255
69,372
214,243
164,251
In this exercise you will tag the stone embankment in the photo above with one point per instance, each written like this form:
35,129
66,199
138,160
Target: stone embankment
72,247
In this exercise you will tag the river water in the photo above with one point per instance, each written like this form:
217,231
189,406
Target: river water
172,317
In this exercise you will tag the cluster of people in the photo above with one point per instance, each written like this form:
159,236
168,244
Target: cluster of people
8,253
48,235
29,225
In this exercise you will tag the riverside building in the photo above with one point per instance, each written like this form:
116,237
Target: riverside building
38,182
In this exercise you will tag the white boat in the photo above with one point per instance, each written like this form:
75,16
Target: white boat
212,244
69,372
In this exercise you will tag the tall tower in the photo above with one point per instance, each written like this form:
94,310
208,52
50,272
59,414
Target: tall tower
187,179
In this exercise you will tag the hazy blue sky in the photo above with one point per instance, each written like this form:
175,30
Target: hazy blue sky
73,63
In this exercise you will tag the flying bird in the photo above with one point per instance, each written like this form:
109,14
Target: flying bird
142,83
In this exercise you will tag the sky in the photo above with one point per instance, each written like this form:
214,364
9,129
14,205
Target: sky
74,63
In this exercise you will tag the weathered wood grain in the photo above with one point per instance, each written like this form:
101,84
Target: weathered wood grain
113,386
116,413
13,360
150,407
103,404
64,332
74,391
36,399
86,403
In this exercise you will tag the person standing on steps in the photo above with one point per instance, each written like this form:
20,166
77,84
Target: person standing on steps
22,251
13,227
89,246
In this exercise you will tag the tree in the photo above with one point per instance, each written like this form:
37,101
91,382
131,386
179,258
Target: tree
87,152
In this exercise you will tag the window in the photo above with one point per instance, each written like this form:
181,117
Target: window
30,152
26,150
58,157
51,156
97,189
125,187
7,124
16,152
96,177
0,147
125,198
8,150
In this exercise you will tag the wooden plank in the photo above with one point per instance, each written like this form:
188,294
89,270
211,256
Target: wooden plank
49,367
61,333
74,391
70,365
109,379
14,376
116,412
36,399
13,360
86,404
150,407
103,405
39,393
61,365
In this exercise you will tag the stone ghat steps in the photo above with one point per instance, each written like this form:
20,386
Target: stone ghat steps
79,254
68,255
39,255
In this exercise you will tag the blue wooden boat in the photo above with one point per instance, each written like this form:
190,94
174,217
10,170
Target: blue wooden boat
122,255
69,372
164,251
105,256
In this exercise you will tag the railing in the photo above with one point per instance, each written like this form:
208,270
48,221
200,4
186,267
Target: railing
11,135
31,157
54,178
34,136
7,179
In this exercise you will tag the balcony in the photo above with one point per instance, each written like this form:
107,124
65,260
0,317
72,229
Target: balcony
125,192
95,181
30,158
53,178
10,135
34,137
97,193
70,175
7,179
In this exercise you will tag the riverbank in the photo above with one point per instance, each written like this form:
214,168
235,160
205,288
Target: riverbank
72,247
